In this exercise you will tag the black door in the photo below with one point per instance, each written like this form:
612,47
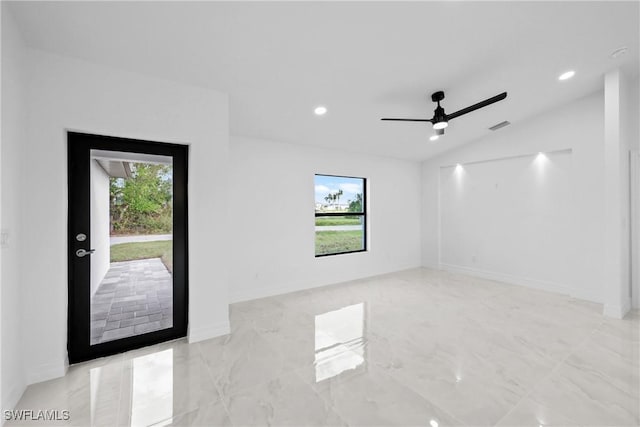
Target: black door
128,277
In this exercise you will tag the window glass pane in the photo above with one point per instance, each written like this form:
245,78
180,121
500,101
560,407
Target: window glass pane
132,234
339,194
339,234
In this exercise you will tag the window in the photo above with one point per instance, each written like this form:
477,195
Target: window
341,216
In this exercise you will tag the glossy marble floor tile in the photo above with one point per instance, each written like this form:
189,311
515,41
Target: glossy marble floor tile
417,347
285,400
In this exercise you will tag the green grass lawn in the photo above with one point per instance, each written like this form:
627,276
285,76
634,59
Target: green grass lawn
143,250
328,242
337,220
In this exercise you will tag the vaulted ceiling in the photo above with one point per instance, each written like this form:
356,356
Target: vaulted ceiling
363,60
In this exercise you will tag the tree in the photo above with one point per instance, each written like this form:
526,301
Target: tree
356,205
337,196
143,202
329,198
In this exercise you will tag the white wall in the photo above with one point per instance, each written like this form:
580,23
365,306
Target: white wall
510,215
65,93
100,224
272,222
13,139
579,127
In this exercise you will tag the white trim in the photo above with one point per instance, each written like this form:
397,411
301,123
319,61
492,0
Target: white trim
213,331
634,189
439,215
528,282
266,292
11,399
617,311
588,295
46,371
431,266
509,278
252,294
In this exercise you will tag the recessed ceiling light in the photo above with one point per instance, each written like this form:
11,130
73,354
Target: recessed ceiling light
433,137
619,52
320,110
567,75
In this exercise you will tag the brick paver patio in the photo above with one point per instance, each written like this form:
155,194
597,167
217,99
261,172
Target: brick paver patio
135,297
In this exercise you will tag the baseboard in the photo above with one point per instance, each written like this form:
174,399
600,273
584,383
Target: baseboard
617,311
201,334
13,397
430,265
271,291
520,281
45,372
257,293
587,295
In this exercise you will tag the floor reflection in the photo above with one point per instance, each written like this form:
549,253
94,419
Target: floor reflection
94,382
152,388
380,362
340,344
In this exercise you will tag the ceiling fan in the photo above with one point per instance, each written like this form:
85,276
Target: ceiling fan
440,119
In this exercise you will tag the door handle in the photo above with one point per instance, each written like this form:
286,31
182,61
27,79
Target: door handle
81,252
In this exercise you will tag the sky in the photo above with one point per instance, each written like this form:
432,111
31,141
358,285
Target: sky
330,184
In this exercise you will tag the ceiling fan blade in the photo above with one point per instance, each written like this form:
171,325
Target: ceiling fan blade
480,104
409,120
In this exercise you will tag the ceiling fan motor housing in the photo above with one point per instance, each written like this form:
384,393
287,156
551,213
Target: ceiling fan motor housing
439,115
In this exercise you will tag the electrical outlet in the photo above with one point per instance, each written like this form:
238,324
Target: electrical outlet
4,238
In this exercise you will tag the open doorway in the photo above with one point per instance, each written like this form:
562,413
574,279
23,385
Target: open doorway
127,257
132,229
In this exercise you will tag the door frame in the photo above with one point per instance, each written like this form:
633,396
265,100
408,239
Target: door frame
79,146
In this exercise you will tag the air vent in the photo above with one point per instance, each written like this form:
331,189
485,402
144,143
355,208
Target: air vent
500,125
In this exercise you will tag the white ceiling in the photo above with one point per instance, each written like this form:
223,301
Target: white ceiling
363,60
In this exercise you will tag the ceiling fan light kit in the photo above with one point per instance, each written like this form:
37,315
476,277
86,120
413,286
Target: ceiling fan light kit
440,119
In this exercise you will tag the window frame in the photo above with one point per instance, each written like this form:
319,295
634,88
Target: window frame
362,214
